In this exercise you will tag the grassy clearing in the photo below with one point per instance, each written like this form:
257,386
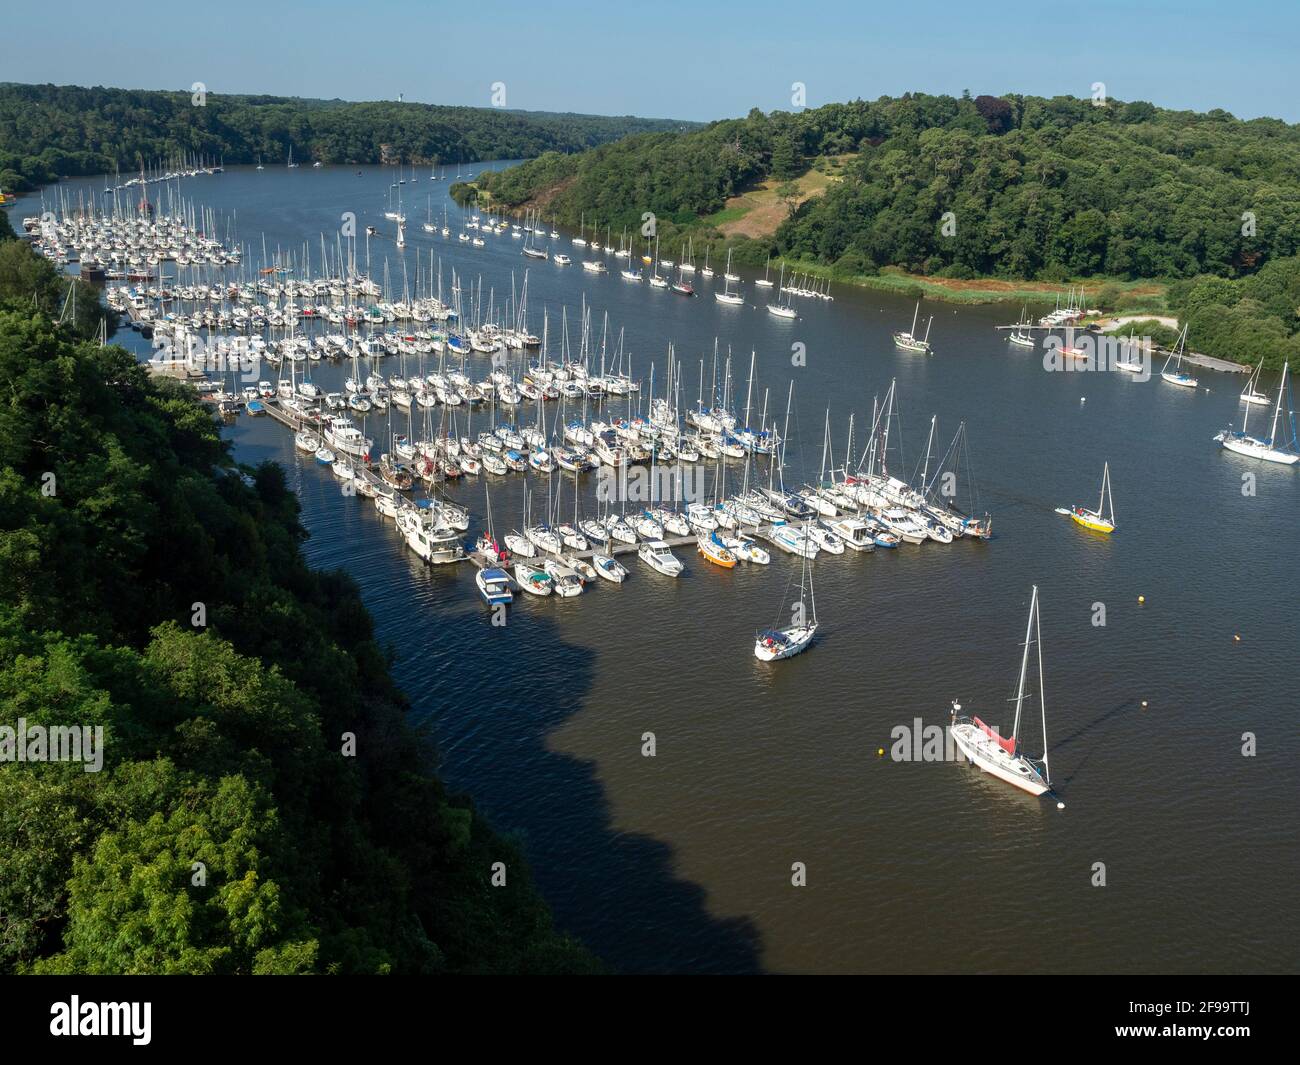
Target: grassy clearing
1144,296
757,212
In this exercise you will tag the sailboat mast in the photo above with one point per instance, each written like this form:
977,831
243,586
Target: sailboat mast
1024,667
1042,689
1277,409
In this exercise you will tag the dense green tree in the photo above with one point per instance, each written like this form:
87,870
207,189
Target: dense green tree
52,131
1039,189
224,832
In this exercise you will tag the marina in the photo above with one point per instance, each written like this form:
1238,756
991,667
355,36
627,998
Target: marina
902,632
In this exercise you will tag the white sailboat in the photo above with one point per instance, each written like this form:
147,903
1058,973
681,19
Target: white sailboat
1251,393
782,310
909,341
1022,336
1269,449
726,295
1176,375
773,644
1001,756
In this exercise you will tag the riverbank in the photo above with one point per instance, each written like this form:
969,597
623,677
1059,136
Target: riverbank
988,289
1145,296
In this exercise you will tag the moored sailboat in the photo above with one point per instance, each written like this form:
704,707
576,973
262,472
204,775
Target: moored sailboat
1000,756
909,341
1176,376
1269,449
1103,518
773,644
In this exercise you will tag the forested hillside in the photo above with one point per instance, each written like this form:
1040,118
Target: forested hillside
151,587
1011,187
50,131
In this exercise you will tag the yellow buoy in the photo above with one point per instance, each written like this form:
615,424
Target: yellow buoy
1142,598
879,751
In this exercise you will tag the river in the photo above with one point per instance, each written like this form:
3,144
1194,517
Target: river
684,861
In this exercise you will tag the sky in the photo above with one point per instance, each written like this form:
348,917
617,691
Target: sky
670,59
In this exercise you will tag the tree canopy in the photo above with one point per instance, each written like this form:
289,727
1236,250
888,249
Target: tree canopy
229,829
52,131
1014,187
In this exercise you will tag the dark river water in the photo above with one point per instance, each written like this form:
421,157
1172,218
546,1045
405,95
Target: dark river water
683,861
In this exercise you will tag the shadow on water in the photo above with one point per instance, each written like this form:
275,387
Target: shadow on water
616,891
494,695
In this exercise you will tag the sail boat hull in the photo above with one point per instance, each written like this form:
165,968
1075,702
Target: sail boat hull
1256,449
783,643
985,753
1091,520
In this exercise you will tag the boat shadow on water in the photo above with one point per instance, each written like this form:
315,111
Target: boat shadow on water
1090,730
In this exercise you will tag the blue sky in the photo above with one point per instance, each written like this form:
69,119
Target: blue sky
671,59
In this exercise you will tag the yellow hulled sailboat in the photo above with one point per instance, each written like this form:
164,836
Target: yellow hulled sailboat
1103,518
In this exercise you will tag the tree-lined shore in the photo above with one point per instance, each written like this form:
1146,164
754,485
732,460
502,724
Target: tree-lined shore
264,805
976,199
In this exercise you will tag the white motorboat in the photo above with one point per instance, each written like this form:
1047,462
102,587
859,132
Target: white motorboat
855,534
494,586
794,540
565,579
659,556
620,530
903,524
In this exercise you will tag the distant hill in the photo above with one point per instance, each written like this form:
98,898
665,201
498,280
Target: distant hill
52,131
